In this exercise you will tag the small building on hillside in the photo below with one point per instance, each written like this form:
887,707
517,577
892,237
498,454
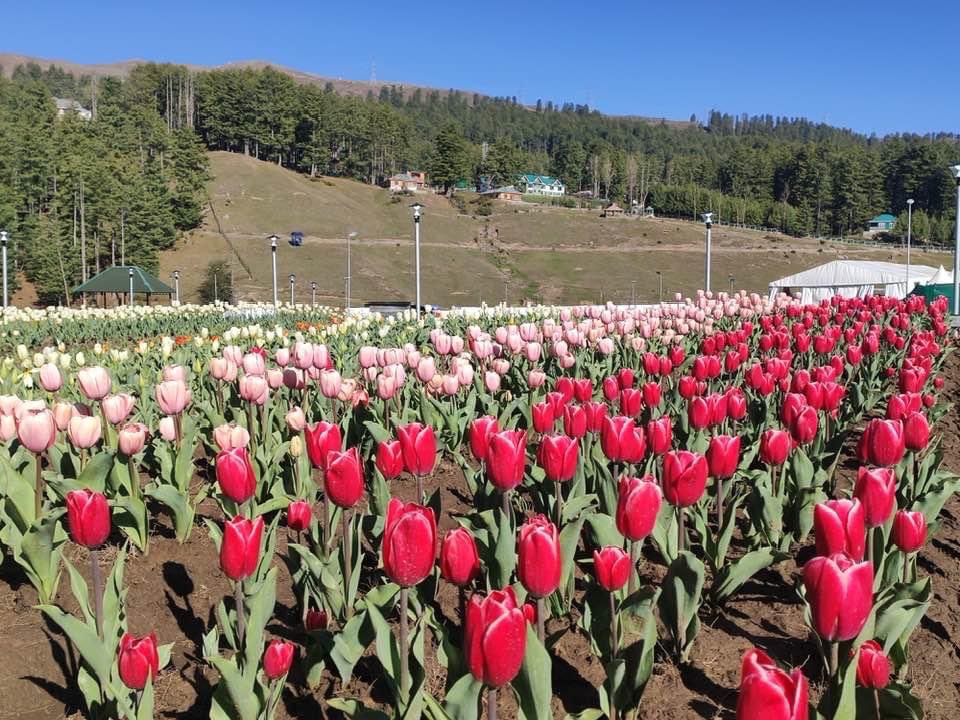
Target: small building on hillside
413,181
613,210
880,223
508,193
532,184
68,106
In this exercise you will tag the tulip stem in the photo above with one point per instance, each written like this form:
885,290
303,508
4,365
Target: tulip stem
681,531
614,649
97,589
463,608
134,477
775,473
241,617
347,562
541,619
404,643
327,531
834,661
719,503
870,533
506,505
634,572
876,703
38,492
419,488
556,484
492,704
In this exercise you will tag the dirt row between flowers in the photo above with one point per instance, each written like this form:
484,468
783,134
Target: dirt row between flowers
174,591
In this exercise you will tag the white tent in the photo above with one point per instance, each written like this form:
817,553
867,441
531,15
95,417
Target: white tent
851,278
940,277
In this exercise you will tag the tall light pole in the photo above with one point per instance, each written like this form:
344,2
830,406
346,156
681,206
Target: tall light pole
732,281
130,276
176,285
3,242
293,279
273,253
909,234
348,278
313,294
708,221
956,250
660,281
633,292
417,210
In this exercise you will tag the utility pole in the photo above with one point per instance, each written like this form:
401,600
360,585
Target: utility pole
909,238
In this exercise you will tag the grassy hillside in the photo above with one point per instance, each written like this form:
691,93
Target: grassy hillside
529,252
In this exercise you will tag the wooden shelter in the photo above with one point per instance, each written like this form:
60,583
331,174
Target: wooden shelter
117,280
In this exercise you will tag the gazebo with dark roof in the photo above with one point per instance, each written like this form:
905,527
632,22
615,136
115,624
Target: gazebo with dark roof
117,280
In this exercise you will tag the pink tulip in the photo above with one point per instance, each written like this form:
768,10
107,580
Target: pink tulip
330,383
254,389
172,397
36,428
117,408
167,429
62,413
50,378
296,419
253,364
230,435
84,432
94,382
132,438
175,372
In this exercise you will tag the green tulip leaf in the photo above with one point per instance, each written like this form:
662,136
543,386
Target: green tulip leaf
533,684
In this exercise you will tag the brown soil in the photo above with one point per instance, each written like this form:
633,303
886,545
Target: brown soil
174,591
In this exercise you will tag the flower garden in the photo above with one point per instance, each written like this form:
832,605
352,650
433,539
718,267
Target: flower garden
529,514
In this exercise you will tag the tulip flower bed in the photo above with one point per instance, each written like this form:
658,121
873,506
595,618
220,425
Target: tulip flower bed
729,507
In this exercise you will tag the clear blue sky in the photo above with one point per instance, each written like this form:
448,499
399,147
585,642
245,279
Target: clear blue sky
878,66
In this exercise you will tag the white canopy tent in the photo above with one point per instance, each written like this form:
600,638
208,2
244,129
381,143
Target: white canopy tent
851,278
940,277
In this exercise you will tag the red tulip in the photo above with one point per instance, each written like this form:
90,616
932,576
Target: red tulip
769,693
723,455
638,504
235,474
558,455
343,483
660,434
409,542
538,556
882,443
625,378
805,425
316,620
495,637
687,387
277,659
611,567
698,413
792,404
916,431
138,660
419,446
684,477
736,404
873,666
507,458
459,559
652,394
583,390
543,417
322,437
876,488
88,517
611,388
838,526
840,594
389,460
909,531
596,413
240,547
557,401
480,431
574,421
621,440
631,402
299,515
564,386
774,446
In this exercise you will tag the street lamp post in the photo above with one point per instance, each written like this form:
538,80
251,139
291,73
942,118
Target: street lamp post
909,238
3,242
708,221
348,278
130,276
313,294
956,250
293,279
660,282
273,255
732,281
633,292
176,285
417,210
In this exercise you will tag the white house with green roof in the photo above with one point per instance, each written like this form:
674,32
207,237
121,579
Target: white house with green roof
881,223
531,184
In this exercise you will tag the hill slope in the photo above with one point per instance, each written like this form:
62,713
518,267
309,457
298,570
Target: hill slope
527,251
